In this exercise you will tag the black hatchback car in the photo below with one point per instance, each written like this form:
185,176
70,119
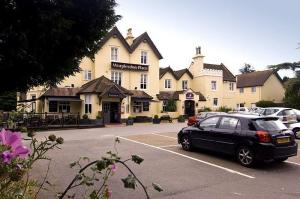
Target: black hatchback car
250,138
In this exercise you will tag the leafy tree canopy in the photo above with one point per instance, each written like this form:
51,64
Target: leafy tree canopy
292,93
8,101
43,41
247,68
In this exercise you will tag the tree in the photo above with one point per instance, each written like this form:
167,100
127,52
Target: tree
8,101
247,68
42,42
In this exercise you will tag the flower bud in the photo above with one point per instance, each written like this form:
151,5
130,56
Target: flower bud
52,137
31,134
60,140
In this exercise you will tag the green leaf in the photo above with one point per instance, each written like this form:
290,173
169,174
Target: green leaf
137,159
72,164
129,182
101,164
93,195
157,187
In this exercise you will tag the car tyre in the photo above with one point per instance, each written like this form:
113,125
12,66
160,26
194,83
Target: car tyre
186,143
280,159
245,156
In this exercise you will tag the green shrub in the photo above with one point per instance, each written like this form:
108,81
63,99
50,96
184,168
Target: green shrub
264,104
156,117
171,106
204,109
224,109
85,117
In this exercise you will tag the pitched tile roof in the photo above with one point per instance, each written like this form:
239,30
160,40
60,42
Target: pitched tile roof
101,85
61,92
257,78
174,95
227,75
138,94
176,74
136,42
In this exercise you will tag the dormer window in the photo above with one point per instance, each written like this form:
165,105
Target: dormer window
144,57
114,54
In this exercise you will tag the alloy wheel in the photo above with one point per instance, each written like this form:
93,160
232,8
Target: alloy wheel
245,156
297,133
186,143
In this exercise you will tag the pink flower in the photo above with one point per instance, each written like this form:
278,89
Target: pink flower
14,141
114,168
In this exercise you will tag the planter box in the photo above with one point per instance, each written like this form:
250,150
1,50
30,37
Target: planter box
85,121
181,120
99,122
129,122
156,121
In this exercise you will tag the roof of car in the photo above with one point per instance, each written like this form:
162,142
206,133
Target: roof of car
280,108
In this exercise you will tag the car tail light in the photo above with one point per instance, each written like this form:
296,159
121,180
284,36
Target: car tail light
263,136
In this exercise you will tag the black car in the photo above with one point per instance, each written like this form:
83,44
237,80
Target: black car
250,138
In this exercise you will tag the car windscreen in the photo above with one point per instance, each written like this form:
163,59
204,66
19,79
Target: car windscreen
269,124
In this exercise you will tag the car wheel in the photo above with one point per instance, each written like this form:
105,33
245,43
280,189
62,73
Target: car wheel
297,133
280,159
186,143
245,156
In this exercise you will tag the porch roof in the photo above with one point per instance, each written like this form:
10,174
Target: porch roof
64,99
140,95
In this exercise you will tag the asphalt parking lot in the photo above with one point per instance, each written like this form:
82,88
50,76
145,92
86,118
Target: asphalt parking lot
197,174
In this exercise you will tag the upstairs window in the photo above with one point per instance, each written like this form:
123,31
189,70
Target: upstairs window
253,89
116,77
241,90
144,57
87,75
213,85
143,81
114,53
231,86
167,83
184,85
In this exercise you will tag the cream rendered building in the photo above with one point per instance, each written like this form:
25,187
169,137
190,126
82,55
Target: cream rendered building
257,86
124,79
201,85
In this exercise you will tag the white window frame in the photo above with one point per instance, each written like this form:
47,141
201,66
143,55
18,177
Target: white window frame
164,105
144,57
217,100
87,75
184,84
88,104
143,83
116,76
213,85
114,54
168,83
253,89
231,86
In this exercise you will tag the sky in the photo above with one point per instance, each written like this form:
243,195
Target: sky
232,32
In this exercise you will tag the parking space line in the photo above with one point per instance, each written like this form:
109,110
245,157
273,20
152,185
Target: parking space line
169,145
298,164
164,136
191,158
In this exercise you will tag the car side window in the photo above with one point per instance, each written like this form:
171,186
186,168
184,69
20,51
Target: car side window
210,122
280,113
228,123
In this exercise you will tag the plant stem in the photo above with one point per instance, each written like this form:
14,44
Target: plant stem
145,190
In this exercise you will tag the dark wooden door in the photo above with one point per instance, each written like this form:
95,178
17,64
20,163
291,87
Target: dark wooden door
106,112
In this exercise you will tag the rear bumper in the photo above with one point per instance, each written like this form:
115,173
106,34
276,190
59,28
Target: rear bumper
270,151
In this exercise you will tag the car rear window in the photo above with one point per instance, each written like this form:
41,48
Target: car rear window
269,124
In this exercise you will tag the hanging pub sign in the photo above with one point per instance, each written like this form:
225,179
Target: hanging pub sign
126,66
189,96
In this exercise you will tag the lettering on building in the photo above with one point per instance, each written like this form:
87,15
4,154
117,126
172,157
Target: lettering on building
127,66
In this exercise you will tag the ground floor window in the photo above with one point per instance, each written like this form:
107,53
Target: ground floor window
215,102
139,107
165,105
169,105
88,104
64,107
53,106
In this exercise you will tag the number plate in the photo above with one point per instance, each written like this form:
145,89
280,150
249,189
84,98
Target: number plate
283,140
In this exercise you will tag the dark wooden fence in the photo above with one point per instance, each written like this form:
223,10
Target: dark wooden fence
41,120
